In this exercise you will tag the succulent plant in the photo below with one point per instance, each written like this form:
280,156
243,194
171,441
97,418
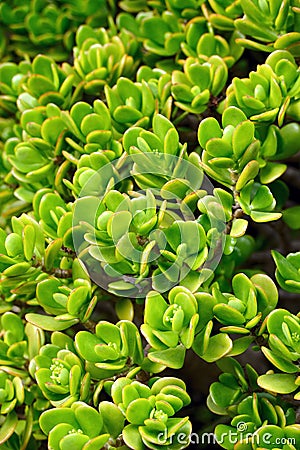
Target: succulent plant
112,349
287,274
51,25
223,13
14,347
162,34
248,304
100,59
199,43
257,417
12,393
60,374
283,329
80,425
201,79
271,92
149,411
281,30
170,327
255,424
130,104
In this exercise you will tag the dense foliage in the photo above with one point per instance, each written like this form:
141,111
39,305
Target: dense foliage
149,218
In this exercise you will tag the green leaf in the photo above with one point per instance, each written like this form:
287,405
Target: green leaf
124,309
161,126
238,228
242,137
138,411
271,171
171,357
209,128
248,173
218,346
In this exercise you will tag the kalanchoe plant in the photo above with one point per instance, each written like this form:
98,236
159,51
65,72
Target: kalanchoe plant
112,349
170,327
60,375
201,79
256,416
81,426
130,104
100,59
271,92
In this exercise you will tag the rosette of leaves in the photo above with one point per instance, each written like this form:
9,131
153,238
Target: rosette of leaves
80,426
113,349
287,271
101,59
122,240
199,43
259,420
47,83
22,19
161,34
130,104
19,251
284,330
232,157
54,216
13,343
258,202
271,92
277,144
141,241
60,373
91,144
232,387
252,299
227,152
201,78
89,166
185,9
169,327
149,409
281,26
158,158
